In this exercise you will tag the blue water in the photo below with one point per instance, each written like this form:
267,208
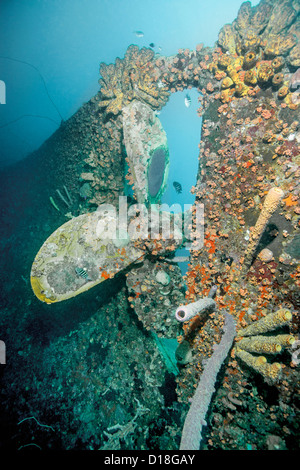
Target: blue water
183,128
65,40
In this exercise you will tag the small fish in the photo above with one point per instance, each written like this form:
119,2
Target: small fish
178,187
152,44
187,100
139,34
82,273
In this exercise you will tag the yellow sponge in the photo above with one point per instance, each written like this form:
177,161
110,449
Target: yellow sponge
268,323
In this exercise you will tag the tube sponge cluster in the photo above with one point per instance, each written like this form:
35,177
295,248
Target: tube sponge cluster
268,323
251,343
266,344
195,419
260,364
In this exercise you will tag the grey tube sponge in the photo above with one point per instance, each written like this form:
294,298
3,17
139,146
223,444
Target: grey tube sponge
186,312
195,419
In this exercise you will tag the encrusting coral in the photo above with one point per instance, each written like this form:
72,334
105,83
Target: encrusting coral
260,41
130,78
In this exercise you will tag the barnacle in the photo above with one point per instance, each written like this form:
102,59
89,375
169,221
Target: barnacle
131,78
266,255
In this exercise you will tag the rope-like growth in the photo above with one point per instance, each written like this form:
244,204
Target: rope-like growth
195,419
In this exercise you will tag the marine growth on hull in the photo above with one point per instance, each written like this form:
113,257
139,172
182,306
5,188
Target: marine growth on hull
247,265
